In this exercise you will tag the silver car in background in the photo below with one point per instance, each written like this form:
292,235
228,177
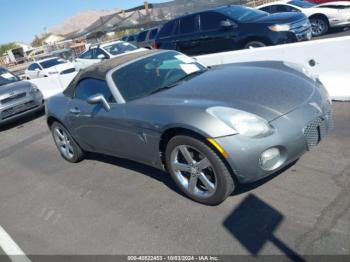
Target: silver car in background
17,98
208,127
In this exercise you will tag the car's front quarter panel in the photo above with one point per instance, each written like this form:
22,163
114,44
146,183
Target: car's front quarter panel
57,108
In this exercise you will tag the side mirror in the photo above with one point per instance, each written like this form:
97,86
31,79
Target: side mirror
101,56
99,99
227,24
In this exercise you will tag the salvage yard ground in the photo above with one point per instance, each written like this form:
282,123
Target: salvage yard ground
106,205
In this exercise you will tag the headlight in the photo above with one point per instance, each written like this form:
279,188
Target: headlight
34,89
279,28
244,123
302,70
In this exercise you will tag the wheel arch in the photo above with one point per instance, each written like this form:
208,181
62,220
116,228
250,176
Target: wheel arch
319,15
255,38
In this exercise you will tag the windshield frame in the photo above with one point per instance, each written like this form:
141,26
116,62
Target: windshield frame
114,87
17,79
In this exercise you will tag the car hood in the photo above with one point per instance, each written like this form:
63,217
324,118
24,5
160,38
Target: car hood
267,89
15,88
281,18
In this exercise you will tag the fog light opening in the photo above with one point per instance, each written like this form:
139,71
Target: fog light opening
271,159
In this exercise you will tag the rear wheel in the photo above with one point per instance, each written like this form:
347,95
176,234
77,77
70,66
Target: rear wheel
254,44
198,171
319,26
68,148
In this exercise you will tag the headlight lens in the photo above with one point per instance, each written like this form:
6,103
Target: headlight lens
34,89
244,123
279,28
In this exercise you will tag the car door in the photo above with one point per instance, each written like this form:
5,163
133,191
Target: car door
34,71
187,35
214,37
97,129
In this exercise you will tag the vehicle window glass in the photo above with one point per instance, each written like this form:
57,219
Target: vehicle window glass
142,36
167,29
242,13
302,4
153,34
97,52
145,76
7,77
52,62
90,86
188,24
34,66
86,55
131,38
279,8
211,21
119,48
125,38
266,9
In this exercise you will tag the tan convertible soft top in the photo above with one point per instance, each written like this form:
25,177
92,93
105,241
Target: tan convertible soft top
99,71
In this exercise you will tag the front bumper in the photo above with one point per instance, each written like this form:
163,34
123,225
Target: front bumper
294,134
31,103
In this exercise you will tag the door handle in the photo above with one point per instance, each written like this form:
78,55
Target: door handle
74,111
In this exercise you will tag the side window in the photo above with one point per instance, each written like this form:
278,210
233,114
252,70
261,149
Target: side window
266,9
211,21
97,52
34,66
153,34
279,8
86,55
142,36
125,38
131,38
291,9
188,24
90,86
167,29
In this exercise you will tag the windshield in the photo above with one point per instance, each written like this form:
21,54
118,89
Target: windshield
242,14
7,77
302,4
52,62
155,73
119,48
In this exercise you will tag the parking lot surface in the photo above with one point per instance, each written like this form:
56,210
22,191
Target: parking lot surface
106,205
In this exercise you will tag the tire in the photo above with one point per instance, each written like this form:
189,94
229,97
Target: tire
254,44
319,26
221,183
65,144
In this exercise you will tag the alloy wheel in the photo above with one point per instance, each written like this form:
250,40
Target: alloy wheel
193,171
318,27
63,142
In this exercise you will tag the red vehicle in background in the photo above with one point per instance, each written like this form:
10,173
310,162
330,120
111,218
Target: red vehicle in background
325,1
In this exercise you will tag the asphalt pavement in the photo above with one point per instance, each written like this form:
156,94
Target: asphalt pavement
106,205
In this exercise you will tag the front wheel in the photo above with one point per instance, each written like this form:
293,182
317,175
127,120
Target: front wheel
198,171
254,44
319,26
68,148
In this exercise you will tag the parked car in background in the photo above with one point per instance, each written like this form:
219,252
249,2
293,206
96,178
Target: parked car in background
97,53
67,54
17,98
207,127
342,6
132,39
325,1
147,38
321,18
48,67
231,27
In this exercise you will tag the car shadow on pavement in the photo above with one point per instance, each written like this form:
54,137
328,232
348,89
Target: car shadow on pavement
20,122
149,171
244,188
254,224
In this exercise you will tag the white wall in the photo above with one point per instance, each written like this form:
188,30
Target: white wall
332,57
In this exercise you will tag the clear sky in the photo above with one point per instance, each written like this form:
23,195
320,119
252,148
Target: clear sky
20,20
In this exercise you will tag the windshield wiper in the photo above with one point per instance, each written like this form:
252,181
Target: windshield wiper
177,82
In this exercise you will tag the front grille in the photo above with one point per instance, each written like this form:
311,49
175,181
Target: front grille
68,71
12,111
12,98
316,130
300,26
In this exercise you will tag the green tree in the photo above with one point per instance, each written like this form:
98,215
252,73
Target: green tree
7,46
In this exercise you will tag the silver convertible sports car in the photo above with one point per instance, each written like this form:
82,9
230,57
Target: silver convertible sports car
17,98
210,128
